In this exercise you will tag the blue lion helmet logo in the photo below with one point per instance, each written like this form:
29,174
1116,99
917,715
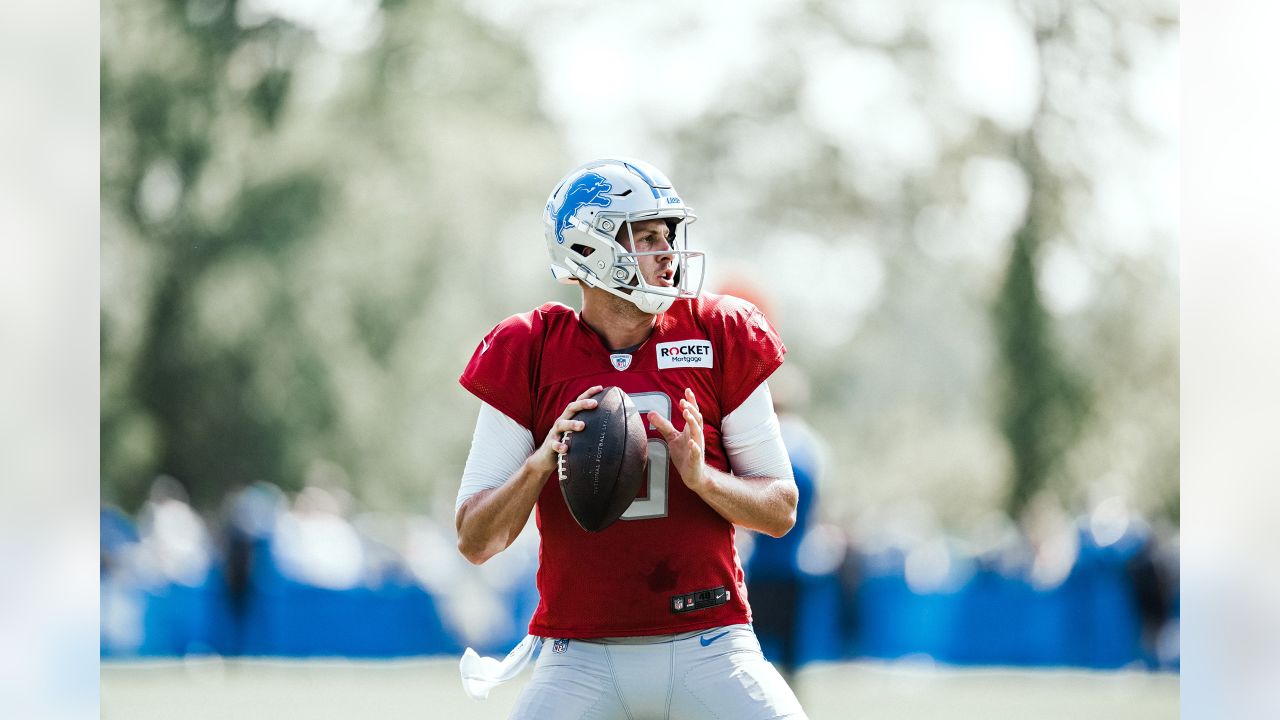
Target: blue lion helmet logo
588,189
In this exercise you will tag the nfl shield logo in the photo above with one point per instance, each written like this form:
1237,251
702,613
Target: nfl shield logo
679,603
559,646
620,362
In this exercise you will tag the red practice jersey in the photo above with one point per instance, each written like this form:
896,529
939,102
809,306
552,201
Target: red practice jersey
670,551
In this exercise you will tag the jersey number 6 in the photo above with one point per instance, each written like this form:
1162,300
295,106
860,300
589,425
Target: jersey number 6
654,504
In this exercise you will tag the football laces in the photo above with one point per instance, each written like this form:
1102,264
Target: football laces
561,468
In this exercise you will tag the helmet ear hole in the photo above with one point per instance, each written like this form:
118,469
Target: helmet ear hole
583,250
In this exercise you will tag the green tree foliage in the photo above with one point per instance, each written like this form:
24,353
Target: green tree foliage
1042,403
276,205
166,94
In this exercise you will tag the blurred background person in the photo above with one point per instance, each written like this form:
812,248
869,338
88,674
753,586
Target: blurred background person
775,578
249,517
316,544
775,581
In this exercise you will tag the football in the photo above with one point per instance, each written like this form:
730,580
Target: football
602,471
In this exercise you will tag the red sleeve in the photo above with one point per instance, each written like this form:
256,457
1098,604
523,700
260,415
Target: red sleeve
501,371
751,348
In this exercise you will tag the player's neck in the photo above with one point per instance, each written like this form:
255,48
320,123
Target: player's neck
619,323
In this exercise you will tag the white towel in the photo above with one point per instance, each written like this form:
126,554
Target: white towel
482,674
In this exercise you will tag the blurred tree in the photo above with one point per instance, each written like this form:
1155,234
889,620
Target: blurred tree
167,89
1042,402
277,187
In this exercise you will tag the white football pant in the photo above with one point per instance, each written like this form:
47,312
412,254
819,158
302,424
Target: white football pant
719,673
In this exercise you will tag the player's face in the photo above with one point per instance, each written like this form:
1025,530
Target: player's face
652,236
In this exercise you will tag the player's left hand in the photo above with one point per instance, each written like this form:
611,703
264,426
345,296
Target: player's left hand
686,446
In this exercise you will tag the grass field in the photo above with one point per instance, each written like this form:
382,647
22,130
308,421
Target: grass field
214,689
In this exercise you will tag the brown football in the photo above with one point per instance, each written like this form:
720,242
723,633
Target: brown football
605,465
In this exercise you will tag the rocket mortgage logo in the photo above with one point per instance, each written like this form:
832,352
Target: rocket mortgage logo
685,353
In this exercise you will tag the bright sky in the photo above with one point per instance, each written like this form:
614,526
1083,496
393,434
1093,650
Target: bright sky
633,88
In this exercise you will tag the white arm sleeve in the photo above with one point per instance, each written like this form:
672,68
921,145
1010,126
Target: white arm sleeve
753,440
499,447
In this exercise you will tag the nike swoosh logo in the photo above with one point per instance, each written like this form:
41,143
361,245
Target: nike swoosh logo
708,640
484,346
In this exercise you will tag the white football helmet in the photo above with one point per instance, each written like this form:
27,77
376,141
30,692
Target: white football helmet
589,208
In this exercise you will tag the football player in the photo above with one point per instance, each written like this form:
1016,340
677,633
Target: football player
648,618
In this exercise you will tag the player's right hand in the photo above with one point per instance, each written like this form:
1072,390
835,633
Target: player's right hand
548,455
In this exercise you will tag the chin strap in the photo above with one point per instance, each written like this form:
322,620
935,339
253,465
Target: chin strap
482,674
651,303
